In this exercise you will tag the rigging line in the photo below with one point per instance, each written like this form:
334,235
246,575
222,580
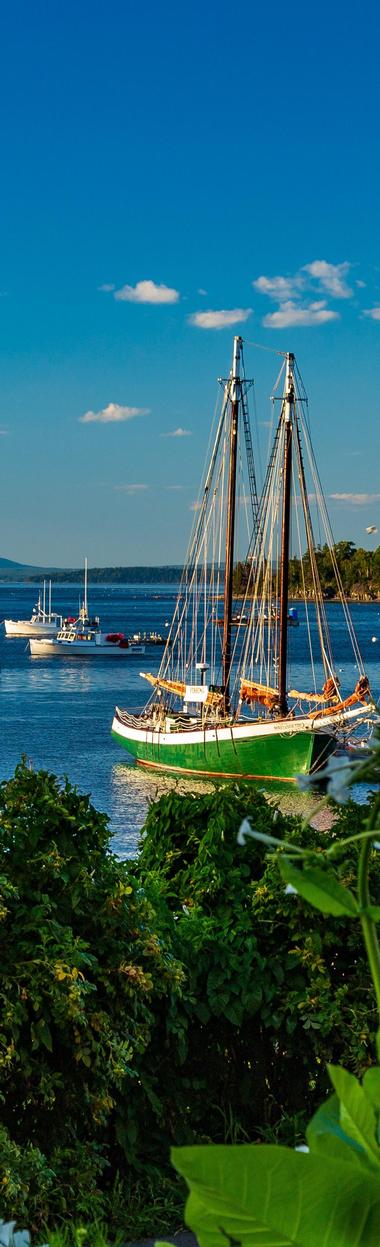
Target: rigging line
330,542
260,568
195,538
324,636
305,602
261,347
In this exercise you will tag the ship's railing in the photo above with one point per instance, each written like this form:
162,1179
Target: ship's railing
178,722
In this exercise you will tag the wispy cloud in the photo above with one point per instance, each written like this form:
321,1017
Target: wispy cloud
175,489
290,313
356,500
290,292
361,284
114,413
280,288
4,432
131,488
107,287
202,291
219,320
330,277
147,292
372,312
177,433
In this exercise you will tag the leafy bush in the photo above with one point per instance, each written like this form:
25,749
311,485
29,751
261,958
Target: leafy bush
272,1195
84,979
180,998
274,990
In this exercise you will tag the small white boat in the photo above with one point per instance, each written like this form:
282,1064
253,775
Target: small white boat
43,623
83,638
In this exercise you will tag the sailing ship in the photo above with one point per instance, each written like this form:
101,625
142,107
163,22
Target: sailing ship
43,622
82,637
222,704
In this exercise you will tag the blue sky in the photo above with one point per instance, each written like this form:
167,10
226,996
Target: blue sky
178,156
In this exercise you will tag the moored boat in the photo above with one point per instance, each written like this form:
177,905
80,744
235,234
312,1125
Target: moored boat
43,623
246,721
82,637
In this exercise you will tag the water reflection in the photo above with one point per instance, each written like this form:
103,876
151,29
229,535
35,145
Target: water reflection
134,789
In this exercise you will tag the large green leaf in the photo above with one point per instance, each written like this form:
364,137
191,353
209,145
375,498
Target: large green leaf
371,1085
260,1196
326,1136
357,1115
321,889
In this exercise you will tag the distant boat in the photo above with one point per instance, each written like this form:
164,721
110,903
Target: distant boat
43,623
247,721
82,637
147,638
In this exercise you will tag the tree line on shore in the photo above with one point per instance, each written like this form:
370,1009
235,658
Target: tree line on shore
359,571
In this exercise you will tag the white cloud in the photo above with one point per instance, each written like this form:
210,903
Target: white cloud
113,414
361,284
107,287
147,292
131,489
4,432
372,312
177,433
290,313
175,489
357,500
219,320
331,277
202,291
280,288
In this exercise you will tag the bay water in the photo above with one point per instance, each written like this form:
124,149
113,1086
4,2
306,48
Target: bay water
58,712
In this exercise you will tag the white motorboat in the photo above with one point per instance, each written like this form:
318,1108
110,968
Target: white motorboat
82,638
43,623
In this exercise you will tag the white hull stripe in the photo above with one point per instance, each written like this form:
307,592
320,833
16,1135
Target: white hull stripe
237,731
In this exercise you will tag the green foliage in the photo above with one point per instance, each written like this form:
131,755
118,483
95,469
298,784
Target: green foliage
359,570
274,991
85,978
274,1196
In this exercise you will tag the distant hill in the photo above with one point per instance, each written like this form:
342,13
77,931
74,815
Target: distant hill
9,563
10,570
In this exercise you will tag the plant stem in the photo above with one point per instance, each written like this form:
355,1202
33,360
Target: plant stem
368,925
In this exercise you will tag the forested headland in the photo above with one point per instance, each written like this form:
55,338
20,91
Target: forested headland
359,571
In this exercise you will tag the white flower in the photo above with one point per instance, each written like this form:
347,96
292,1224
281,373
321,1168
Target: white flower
245,830
305,781
339,774
10,1238
290,890
302,1148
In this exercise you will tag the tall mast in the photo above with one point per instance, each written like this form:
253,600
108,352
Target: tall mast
234,392
85,607
287,410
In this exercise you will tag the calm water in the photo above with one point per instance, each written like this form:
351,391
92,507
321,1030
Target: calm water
59,712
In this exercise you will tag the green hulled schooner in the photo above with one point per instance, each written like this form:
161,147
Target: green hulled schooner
221,705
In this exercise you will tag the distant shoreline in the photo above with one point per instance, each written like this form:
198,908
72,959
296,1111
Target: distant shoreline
134,576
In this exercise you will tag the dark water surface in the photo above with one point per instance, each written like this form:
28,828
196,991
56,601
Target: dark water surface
59,711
